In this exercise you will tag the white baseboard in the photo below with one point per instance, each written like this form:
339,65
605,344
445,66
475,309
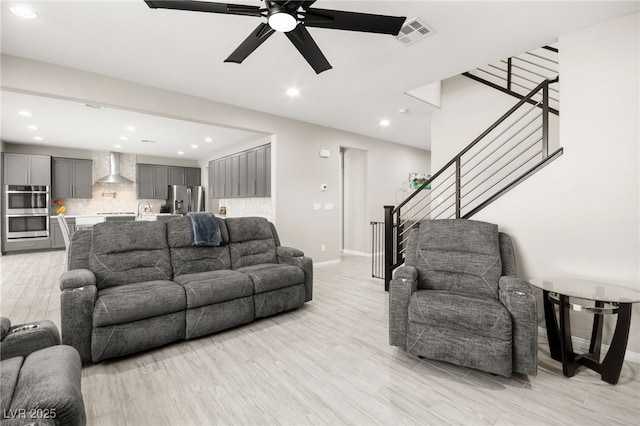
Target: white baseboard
327,263
356,253
583,346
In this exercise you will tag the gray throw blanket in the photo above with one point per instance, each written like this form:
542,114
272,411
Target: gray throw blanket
204,229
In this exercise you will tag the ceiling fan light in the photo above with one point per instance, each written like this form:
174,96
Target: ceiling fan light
281,21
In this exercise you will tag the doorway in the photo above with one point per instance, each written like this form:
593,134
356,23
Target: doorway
353,183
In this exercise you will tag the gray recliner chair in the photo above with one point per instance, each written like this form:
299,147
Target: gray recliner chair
40,380
457,299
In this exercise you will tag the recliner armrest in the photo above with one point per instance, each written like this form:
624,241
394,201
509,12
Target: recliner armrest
77,300
23,339
295,257
77,278
403,285
516,295
288,252
514,284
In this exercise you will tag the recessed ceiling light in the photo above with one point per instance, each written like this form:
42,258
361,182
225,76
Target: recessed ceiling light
38,138
23,11
385,123
130,128
117,146
194,146
32,127
25,113
293,92
124,138
180,152
209,140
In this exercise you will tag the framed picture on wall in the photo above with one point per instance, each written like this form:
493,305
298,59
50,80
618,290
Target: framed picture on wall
418,179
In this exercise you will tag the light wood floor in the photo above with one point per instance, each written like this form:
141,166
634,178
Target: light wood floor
326,363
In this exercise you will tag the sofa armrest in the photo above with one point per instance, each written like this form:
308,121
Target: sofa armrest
288,252
295,257
77,299
516,295
402,286
23,339
77,278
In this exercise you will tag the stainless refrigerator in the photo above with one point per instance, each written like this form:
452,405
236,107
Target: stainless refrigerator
183,199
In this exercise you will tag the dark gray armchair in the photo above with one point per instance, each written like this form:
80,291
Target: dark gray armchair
457,299
40,380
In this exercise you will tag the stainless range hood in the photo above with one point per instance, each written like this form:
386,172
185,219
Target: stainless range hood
114,176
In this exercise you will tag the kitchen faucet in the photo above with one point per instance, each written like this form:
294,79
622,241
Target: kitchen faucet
147,209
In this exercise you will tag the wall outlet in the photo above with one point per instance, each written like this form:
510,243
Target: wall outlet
317,206
328,206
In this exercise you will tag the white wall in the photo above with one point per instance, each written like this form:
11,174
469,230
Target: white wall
580,215
299,168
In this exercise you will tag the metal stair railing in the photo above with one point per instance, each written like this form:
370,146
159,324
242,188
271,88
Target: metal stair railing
505,154
519,74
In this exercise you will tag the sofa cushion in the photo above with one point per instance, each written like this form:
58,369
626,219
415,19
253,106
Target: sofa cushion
207,288
130,337
132,302
129,252
251,241
267,277
10,369
462,313
189,259
459,255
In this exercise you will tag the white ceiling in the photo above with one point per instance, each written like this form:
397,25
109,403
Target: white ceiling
184,52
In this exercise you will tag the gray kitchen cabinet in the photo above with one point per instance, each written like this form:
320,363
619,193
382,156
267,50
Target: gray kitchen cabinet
192,176
267,171
152,181
189,176
245,174
27,169
214,171
27,244
55,232
256,169
72,178
242,174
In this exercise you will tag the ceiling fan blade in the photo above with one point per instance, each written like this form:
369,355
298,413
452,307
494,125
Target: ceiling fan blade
204,6
353,21
305,44
251,43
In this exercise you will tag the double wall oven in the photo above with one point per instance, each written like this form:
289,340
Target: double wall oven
27,212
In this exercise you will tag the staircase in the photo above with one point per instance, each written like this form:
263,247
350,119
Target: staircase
513,148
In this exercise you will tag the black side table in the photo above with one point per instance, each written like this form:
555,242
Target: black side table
608,299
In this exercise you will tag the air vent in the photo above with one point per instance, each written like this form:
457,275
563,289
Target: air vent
413,31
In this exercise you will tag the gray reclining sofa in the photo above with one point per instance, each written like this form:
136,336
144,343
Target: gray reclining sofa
137,285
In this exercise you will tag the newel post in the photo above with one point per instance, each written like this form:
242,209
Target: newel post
388,245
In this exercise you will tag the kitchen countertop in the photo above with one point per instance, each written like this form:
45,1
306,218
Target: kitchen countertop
74,216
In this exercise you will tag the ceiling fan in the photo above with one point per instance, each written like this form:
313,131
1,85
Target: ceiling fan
291,18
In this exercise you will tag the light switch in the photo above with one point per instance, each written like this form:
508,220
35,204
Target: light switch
328,206
317,206
323,187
